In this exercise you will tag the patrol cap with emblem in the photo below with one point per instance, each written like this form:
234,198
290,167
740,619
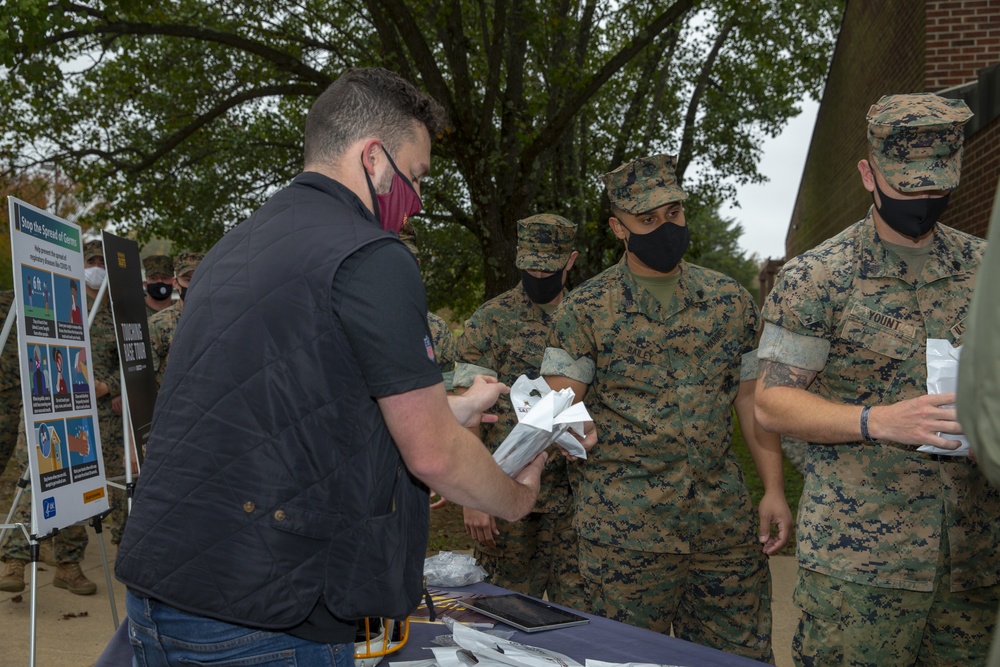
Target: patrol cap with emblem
544,242
158,264
644,184
408,235
916,140
93,249
187,262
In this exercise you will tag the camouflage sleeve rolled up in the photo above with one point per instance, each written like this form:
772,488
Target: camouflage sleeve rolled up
798,350
475,344
444,348
466,373
572,349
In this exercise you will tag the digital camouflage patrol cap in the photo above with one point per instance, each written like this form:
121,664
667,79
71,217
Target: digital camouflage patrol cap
158,264
544,242
92,249
644,184
916,140
408,235
187,262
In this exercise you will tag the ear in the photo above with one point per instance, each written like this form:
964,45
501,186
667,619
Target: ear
572,258
370,154
617,228
867,175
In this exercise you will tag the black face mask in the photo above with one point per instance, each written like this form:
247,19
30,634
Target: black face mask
542,290
159,291
662,248
910,217
184,291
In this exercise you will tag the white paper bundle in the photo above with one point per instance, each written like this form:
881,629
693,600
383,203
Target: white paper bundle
544,417
942,378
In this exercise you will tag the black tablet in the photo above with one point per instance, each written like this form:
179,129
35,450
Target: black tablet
524,613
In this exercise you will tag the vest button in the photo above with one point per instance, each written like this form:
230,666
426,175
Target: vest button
248,506
279,515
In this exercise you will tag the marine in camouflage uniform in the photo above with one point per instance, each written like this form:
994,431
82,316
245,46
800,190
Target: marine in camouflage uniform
663,351
163,324
442,339
899,550
158,282
505,338
10,385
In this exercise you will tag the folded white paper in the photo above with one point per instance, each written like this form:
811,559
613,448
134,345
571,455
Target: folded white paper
544,417
942,378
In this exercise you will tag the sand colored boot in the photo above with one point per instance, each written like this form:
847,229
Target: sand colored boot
72,578
12,577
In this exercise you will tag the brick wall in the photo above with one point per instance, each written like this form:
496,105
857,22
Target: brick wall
963,37
972,203
879,52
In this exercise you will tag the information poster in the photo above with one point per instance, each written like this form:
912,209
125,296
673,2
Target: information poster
64,443
128,306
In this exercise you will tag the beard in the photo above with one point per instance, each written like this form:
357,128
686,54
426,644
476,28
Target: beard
384,185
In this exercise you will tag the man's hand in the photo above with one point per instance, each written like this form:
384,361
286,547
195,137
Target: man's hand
116,405
470,406
481,526
774,511
588,440
917,421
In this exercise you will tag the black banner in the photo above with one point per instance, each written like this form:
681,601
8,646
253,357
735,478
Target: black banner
128,305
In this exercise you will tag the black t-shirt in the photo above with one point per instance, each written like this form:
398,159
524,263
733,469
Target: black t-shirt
379,298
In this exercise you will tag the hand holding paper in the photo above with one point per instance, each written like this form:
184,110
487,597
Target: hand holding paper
942,378
544,417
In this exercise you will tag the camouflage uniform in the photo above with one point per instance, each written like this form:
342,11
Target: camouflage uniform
161,332
441,337
10,385
444,348
154,264
163,324
668,532
899,551
506,338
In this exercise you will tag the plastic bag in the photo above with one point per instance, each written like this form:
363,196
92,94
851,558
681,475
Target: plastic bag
942,378
452,570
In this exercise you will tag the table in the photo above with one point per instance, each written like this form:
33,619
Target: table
601,639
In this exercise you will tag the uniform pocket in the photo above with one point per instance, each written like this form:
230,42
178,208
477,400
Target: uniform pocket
879,333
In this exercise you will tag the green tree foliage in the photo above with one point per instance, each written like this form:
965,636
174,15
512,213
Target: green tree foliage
184,115
715,244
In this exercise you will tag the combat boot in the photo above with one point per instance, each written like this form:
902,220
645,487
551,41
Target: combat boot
72,578
12,578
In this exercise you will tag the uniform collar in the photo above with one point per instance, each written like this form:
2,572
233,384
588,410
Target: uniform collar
945,260
639,300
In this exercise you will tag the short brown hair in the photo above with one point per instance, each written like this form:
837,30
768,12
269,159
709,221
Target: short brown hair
365,102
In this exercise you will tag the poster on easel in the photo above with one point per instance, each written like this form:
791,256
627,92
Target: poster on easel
64,442
128,307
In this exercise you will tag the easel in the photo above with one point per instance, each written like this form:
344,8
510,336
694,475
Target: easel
95,521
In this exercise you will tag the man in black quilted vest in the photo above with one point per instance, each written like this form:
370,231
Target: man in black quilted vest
302,416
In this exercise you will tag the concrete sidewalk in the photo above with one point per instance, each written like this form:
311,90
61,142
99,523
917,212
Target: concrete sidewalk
72,630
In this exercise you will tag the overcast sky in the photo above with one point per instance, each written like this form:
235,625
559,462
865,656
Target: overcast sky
766,209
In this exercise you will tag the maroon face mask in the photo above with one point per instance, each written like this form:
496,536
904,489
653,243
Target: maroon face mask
395,207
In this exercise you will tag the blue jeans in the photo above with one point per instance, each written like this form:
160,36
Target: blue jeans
162,636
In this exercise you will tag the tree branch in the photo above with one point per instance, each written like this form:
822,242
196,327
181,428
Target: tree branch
684,155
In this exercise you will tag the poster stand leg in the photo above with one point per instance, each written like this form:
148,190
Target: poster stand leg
34,550
97,524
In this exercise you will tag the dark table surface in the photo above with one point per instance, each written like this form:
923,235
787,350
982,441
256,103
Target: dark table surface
601,639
